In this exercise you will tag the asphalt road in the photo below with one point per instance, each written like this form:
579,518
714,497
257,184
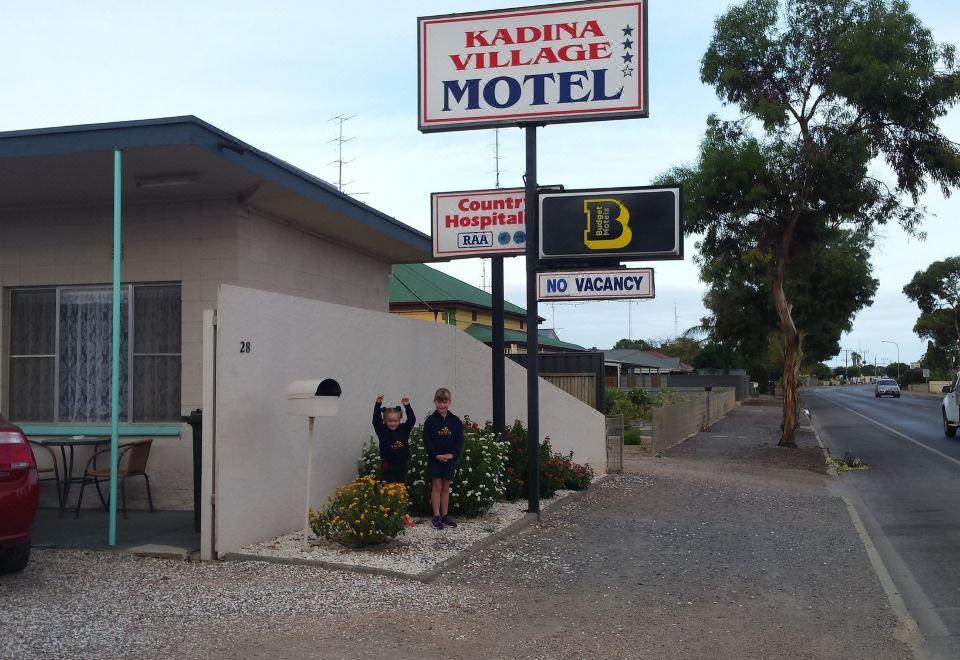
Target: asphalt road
909,498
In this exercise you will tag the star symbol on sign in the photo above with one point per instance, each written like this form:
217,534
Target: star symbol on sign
627,71
628,57
627,31
627,44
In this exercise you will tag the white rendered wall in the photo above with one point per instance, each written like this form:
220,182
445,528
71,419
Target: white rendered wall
261,451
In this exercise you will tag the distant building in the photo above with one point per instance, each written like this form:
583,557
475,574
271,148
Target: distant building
633,368
422,292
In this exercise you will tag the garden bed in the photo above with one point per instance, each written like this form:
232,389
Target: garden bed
414,553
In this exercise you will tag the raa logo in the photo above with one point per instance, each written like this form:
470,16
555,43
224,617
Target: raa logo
475,239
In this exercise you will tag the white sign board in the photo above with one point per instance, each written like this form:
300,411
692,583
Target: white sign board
474,223
596,285
577,61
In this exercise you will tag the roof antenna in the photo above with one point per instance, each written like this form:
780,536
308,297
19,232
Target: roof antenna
339,161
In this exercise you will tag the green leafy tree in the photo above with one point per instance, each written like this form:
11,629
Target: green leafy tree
936,291
632,344
821,371
681,347
827,289
833,86
714,355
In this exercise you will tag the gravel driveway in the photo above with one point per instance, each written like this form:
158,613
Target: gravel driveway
726,547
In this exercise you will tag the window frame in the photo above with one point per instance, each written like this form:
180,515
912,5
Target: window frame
129,290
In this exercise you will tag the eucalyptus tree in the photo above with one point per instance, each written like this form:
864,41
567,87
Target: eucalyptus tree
827,91
936,291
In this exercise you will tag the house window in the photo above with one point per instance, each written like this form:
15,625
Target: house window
60,354
473,316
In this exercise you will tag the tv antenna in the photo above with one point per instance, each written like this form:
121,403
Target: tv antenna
339,161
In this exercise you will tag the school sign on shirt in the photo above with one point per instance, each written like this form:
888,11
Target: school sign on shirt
578,61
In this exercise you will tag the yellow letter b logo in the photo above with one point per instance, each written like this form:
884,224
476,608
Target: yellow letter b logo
607,224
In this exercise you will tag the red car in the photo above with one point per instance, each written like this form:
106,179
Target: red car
19,495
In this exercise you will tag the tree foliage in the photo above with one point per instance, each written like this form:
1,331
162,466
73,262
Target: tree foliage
833,86
936,291
632,344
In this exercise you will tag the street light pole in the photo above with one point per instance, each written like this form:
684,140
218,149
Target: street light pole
884,341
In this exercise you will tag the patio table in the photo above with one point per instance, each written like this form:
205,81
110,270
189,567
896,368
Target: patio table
70,443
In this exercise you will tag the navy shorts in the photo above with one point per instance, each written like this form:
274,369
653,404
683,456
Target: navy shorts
438,470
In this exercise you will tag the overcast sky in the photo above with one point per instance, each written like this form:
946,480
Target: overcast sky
275,74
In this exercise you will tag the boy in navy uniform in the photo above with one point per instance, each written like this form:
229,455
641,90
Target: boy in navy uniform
443,440
394,439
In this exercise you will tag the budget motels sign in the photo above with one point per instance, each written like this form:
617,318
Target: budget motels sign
577,61
474,223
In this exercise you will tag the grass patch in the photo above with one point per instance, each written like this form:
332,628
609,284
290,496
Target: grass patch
848,463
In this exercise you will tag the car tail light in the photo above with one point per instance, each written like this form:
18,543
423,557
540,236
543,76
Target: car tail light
15,453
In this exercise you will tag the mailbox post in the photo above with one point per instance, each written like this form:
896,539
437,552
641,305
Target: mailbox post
312,398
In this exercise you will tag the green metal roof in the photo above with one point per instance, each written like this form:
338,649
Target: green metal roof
484,333
414,283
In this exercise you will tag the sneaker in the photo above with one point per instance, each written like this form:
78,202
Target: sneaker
449,522
438,522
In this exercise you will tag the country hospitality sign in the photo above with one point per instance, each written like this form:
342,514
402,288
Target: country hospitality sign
474,223
595,285
577,61
614,223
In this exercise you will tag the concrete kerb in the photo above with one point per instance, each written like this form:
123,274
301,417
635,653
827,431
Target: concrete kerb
907,630
438,570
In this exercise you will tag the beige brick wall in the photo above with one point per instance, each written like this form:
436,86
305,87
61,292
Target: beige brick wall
199,244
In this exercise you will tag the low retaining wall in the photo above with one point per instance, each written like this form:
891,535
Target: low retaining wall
933,387
676,422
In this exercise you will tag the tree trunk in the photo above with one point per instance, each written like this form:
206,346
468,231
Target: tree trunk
791,359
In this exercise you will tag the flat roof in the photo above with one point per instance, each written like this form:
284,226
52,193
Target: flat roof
184,158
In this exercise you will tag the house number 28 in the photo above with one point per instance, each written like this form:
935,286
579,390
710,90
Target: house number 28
244,347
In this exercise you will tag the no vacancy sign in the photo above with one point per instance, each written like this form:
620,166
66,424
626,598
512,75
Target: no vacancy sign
619,284
577,61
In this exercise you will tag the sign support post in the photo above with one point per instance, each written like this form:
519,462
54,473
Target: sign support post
533,338
497,368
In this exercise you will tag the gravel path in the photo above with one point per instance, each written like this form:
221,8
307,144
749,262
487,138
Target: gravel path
725,548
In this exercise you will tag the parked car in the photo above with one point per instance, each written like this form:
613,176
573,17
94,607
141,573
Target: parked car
886,387
950,408
19,496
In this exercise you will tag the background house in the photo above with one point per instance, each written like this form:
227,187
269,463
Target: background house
419,291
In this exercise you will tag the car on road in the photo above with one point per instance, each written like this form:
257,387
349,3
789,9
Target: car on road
19,496
886,387
950,410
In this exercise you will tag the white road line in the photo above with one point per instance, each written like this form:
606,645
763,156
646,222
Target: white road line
896,432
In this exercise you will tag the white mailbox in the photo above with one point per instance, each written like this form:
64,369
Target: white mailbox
313,398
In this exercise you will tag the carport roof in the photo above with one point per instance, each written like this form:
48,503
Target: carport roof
185,158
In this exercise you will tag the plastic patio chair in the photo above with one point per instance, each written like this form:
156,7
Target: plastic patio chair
50,470
136,454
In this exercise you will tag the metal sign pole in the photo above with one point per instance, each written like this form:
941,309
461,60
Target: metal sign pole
497,371
533,357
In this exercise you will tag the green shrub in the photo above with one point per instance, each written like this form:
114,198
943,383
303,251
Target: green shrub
480,480
557,471
633,405
632,438
364,512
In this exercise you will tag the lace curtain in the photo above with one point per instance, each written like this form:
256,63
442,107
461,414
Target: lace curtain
85,334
